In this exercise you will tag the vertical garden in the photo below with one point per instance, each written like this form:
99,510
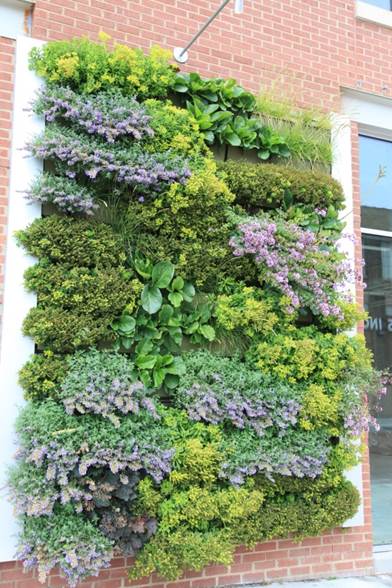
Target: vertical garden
193,386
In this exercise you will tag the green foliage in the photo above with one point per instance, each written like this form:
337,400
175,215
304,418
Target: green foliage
72,242
258,187
168,311
64,331
175,129
223,110
89,67
183,550
297,517
41,376
201,518
76,306
308,354
197,516
306,131
320,409
67,540
226,93
189,226
96,292
245,311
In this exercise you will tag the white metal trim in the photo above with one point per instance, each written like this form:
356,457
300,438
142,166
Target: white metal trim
15,348
376,232
382,548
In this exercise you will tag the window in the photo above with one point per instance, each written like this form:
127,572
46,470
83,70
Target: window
386,4
376,183
15,17
376,220
375,11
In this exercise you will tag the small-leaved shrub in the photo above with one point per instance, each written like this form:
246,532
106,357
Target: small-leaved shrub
258,187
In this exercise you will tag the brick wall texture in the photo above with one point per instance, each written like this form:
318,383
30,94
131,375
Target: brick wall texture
306,49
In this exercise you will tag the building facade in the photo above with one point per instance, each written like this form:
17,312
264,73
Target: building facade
335,55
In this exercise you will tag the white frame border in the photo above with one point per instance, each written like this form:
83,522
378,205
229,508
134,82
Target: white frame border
342,171
374,14
15,348
373,114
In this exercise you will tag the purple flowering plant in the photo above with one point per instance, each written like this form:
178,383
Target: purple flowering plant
65,193
104,383
217,389
76,155
304,267
67,540
109,115
298,454
66,447
363,392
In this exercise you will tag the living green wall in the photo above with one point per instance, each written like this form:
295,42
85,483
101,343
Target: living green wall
193,386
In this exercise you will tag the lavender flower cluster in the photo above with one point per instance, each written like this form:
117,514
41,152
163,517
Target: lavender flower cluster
299,454
294,261
65,540
362,400
65,446
107,114
74,154
61,463
104,383
33,495
64,193
203,402
217,390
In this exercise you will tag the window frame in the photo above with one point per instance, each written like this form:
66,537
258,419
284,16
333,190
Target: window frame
15,18
371,114
374,14
387,138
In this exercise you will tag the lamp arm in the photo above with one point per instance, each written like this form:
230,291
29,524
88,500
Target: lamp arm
181,53
205,25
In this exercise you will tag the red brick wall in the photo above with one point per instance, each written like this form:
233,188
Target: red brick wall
314,46
7,51
308,49
335,554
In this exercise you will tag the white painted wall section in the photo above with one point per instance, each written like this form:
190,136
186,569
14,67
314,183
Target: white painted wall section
342,171
15,348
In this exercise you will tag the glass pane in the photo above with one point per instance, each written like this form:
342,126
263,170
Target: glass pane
376,183
381,3
378,330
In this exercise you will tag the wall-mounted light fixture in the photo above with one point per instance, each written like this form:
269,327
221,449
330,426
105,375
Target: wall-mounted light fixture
181,53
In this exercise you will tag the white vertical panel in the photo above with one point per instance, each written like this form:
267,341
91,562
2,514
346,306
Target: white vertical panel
342,171
15,348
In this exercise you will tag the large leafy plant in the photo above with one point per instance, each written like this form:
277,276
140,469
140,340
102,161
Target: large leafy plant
223,110
167,313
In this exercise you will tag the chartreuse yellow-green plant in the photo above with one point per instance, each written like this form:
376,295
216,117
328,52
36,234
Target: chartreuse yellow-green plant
306,131
193,386
90,67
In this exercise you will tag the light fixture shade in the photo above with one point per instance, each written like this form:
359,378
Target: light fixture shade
238,6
